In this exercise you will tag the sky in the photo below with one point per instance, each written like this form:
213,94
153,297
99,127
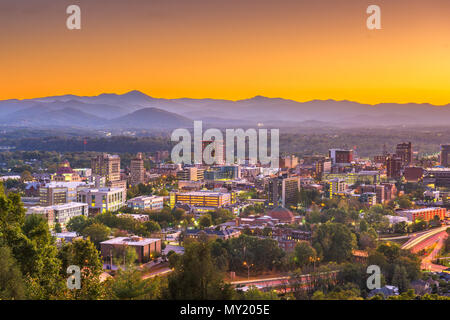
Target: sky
235,49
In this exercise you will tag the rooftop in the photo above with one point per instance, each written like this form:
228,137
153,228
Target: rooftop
130,241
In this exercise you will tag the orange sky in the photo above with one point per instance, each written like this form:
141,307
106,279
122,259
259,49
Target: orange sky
302,50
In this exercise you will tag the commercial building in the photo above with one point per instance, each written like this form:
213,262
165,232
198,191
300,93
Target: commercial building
209,199
368,198
379,190
404,151
146,203
288,162
367,177
340,156
106,165
191,174
283,191
232,172
426,214
439,177
60,213
57,192
223,234
103,199
336,187
64,212
445,156
137,170
394,166
146,248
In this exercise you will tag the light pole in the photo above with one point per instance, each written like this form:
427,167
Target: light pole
248,269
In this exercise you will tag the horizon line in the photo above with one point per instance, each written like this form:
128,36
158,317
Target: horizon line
223,99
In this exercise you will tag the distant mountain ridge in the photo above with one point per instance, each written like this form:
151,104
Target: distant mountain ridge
136,110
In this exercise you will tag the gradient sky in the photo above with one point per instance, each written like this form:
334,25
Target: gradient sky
235,49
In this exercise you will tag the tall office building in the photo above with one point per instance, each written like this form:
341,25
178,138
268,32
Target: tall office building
106,165
445,155
137,170
404,151
283,191
394,166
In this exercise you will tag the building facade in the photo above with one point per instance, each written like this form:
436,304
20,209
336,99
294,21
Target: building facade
137,170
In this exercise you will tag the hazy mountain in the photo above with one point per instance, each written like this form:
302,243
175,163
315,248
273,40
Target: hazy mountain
122,109
42,116
151,118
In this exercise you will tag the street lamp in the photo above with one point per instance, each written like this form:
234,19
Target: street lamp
248,268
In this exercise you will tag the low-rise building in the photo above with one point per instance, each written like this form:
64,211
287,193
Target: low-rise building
60,213
146,248
426,214
146,203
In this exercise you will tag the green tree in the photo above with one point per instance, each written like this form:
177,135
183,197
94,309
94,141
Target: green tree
78,223
303,254
97,232
196,276
335,240
205,220
12,285
57,227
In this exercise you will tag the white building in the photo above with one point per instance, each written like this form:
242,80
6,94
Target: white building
60,213
146,203
103,199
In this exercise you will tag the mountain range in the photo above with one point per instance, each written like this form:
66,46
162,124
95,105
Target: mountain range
136,110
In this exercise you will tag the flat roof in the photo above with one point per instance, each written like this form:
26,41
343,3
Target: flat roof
128,241
203,193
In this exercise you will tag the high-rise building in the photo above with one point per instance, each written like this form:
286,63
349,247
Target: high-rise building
339,156
404,151
445,155
106,165
137,170
283,191
288,162
394,166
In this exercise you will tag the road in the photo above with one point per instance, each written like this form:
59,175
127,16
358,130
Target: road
424,240
427,261
419,237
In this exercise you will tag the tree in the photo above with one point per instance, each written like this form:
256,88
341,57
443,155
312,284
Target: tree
205,220
97,232
12,285
78,224
83,254
400,278
303,254
335,240
58,228
129,285
196,276
26,176
254,293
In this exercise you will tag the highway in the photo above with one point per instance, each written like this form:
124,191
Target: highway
418,238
